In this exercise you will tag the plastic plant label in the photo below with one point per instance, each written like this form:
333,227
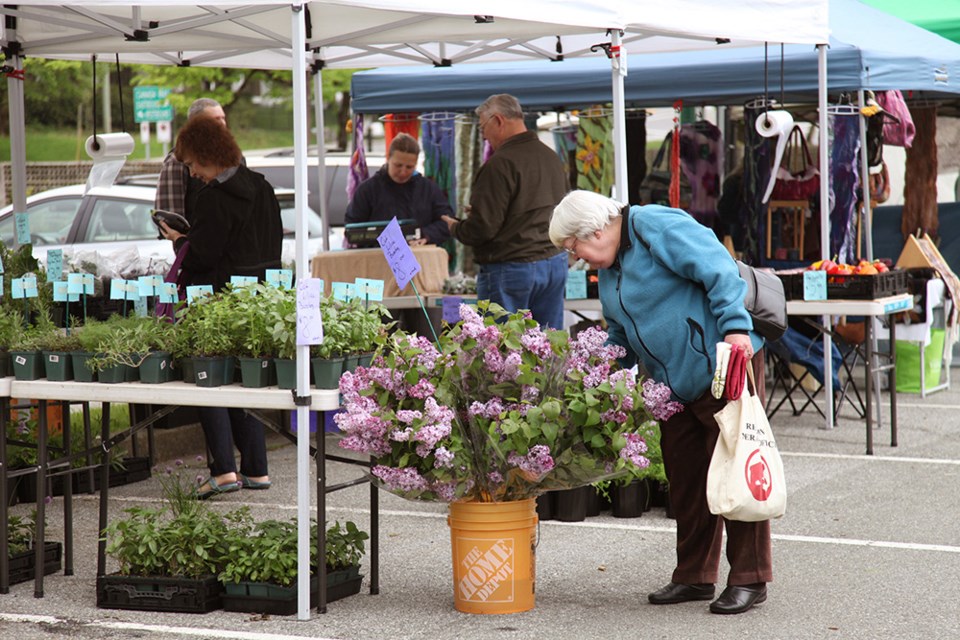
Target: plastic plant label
133,290
343,291
367,289
451,309
140,306
167,292
1,264
147,285
118,289
198,291
87,283
243,281
62,293
23,228
1,287
54,265
309,320
399,256
814,285
29,286
280,278
576,284
75,283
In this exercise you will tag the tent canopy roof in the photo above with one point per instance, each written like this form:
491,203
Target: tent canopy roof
868,49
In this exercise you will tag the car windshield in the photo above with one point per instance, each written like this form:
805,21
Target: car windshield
289,216
50,221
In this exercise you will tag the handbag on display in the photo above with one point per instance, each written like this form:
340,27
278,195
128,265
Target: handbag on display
655,187
797,176
745,480
765,301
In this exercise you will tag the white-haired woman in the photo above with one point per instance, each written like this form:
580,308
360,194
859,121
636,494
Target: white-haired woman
670,291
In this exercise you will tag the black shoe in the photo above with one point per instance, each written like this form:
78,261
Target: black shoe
674,593
739,598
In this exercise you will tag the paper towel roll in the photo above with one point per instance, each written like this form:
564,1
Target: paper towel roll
768,125
109,156
109,144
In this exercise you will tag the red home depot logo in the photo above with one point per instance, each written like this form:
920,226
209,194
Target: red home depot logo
757,472
487,570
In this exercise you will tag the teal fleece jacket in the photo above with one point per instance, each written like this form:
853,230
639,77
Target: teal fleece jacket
672,295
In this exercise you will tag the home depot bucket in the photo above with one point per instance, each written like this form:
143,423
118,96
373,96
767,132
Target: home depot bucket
494,555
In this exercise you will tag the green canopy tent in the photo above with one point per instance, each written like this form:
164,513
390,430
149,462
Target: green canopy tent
939,16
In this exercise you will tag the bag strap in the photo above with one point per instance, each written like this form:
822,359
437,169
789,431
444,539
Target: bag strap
665,147
750,376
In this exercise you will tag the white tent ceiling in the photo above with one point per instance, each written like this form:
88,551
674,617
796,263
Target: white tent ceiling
364,33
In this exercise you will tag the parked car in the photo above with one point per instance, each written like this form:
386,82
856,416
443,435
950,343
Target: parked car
107,220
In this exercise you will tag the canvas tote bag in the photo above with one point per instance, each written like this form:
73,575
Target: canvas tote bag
745,480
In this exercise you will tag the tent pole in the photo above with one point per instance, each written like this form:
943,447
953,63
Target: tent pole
824,152
299,42
321,155
18,143
618,64
867,220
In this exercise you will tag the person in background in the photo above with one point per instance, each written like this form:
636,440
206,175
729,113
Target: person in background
237,230
670,292
513,196
398,190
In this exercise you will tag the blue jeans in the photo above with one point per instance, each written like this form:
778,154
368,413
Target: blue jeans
538,286
224,428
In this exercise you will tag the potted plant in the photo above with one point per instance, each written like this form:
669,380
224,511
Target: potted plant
207,326
124,344
281,309
364,324
328,356
57,346
261,572
26,356
169,556
21,554
254,339
495,414
11,326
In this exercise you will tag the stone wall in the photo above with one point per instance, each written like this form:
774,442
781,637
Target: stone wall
42,176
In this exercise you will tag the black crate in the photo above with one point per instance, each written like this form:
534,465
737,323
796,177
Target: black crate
135,470
180,595
282,601
22,564
869,287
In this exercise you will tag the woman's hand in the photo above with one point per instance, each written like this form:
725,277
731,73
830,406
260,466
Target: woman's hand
169,233
743,340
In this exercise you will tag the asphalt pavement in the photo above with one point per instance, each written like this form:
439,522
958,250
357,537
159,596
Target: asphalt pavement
869,548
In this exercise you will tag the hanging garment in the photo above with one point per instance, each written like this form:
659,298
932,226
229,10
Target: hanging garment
844,183
899,132
701,158
636,154
595,153
394,123
565,144
438,152
469,146
920,189
758,155
358,160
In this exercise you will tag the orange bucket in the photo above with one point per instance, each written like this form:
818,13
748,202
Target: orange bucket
494,555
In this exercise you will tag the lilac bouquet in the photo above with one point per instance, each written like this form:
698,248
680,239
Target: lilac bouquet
498,410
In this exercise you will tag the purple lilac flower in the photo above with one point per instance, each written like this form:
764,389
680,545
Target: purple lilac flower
495,477
423,389
429,354
396,479
634,450
656,397
442,458
491,409
437,413
401,436
613,415
536,463
529,393
492,359
596,375
407,416
627,376
536,342
510,369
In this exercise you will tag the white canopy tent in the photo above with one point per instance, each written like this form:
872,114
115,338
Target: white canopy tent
357,33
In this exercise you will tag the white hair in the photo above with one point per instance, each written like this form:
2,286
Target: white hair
580,214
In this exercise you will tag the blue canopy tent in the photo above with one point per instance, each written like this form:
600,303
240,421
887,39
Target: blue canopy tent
869,49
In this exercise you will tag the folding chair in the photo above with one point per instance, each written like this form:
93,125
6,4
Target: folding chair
796,348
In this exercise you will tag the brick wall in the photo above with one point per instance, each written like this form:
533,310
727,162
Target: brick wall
42,176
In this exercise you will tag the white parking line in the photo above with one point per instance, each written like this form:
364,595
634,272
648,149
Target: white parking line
227,634
846,456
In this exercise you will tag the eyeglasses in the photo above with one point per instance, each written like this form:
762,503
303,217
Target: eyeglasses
572,249
484,123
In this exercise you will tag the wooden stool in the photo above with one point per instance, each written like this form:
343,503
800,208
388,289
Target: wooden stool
798,209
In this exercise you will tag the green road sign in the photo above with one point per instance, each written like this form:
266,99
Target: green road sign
150,104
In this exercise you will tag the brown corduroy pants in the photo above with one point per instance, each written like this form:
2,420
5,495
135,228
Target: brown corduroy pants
688,440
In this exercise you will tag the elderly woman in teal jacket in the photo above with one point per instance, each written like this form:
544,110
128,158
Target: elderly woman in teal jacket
670,292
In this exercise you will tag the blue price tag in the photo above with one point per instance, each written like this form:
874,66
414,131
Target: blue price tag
1,264
88,283
198,291
118,289
16,288
576,284
1,287
23,228
399,256
54,265
369,289
451,309
133,290
60,291
814,285
342,291
168,292
75,283
29,285
147,286
243,281
140,306
280,278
